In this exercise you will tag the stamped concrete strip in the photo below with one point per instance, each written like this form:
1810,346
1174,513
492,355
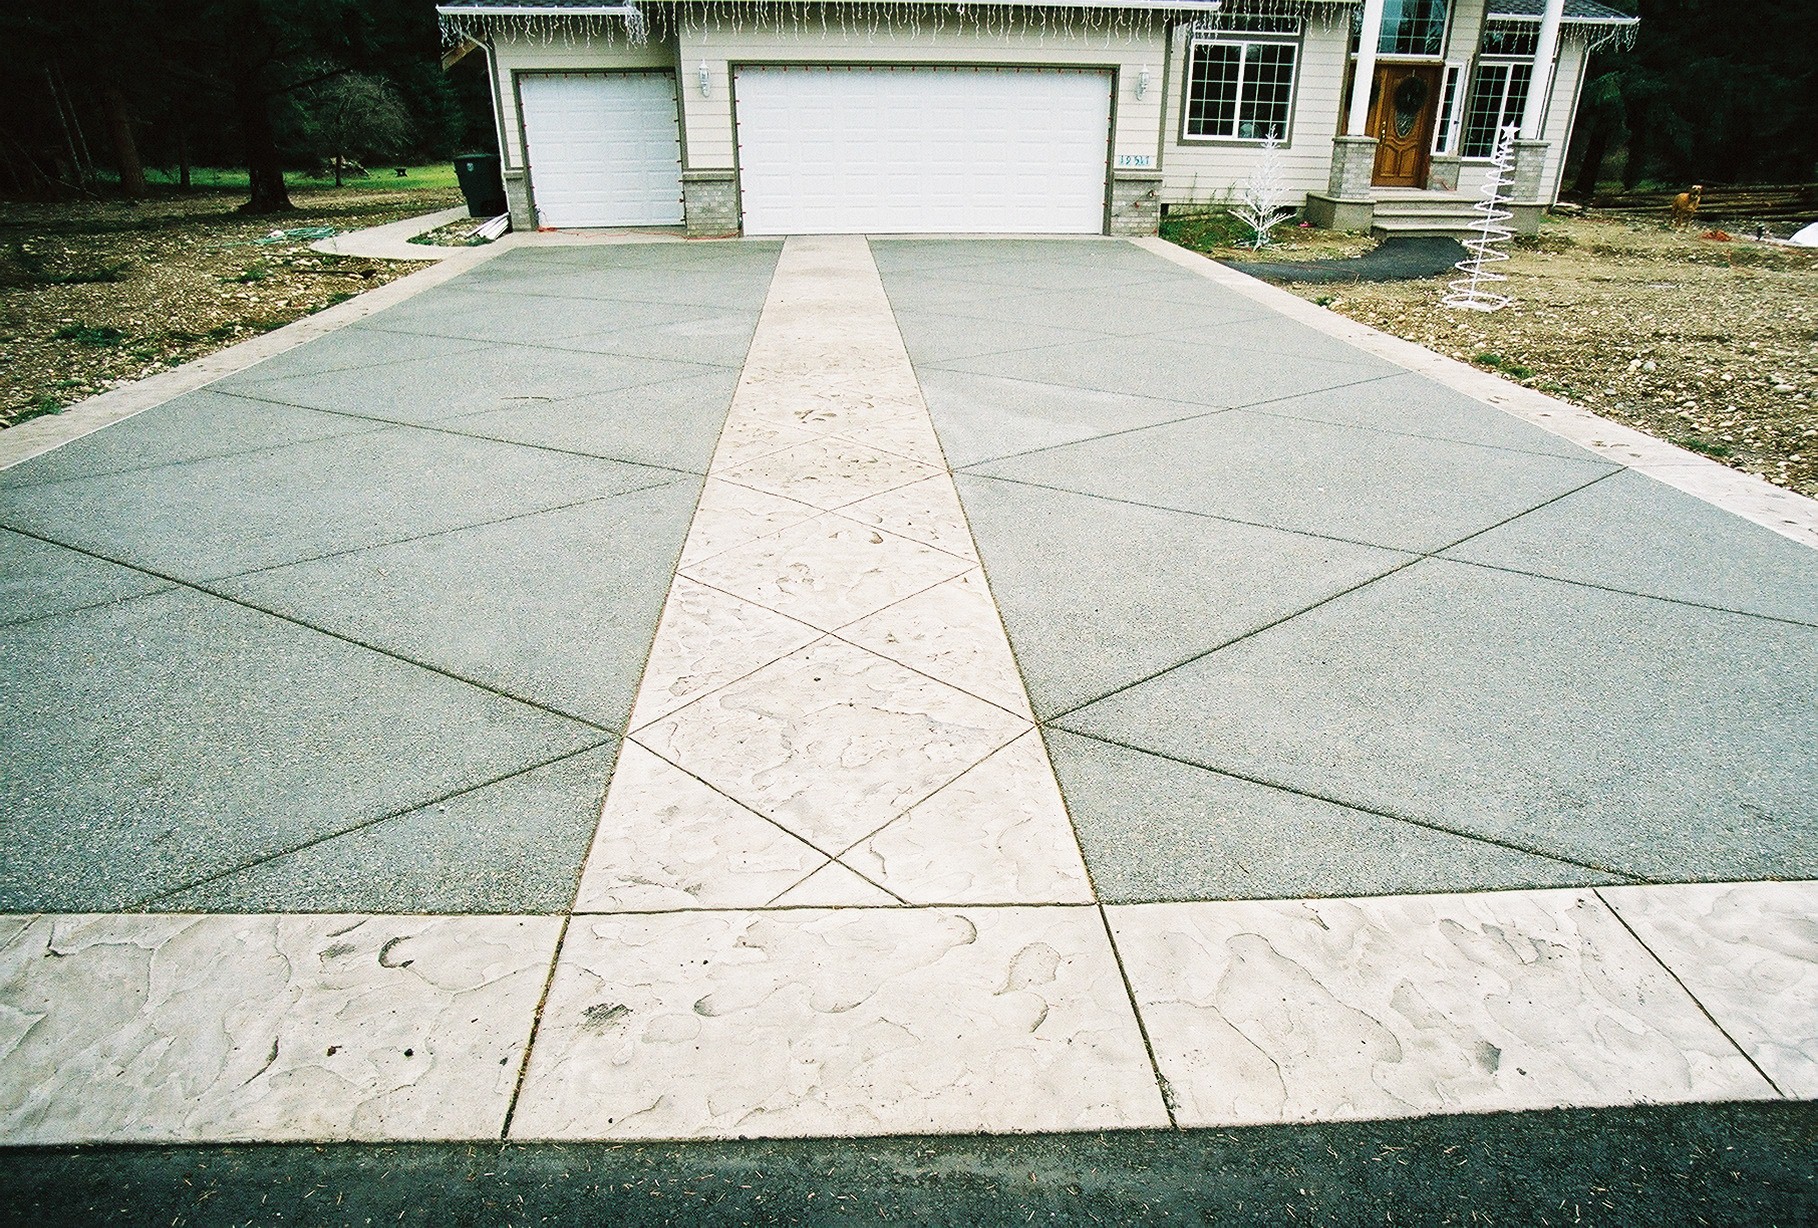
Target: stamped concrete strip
40,435
810,1001
168,1028
1749,953
825,741
1750,497
1328,1010
836,1022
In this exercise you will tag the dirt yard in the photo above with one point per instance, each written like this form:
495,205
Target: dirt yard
94,294
1709,344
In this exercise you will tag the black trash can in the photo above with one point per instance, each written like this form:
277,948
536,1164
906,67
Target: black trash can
481,184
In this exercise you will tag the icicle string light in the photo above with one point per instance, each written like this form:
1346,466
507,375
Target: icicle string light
1007,23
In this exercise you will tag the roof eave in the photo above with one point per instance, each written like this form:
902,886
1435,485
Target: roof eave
622,10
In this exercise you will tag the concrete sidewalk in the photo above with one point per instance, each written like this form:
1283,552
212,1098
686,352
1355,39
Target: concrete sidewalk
745,690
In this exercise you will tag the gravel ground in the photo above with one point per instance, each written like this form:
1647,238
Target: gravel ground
1709,344
95,294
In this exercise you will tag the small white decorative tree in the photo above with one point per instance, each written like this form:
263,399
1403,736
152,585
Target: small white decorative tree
1262,206
1487,235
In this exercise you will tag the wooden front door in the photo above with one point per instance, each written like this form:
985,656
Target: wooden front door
1403,103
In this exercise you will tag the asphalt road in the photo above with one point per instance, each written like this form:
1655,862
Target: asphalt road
1736,1164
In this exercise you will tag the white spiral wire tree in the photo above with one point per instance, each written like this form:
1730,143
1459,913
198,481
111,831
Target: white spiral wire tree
1263,205
1487,235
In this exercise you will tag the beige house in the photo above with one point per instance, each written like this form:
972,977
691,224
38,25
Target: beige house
891,116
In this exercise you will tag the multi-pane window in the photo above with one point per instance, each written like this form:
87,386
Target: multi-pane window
1445,134
1513,39
1410,27
1240,89
1499,91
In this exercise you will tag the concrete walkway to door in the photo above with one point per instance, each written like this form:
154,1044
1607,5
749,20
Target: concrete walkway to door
918,686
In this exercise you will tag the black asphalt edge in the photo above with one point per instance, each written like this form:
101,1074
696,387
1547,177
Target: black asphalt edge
1718,1164
1397,258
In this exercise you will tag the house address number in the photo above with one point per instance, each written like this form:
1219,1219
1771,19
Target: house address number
1135,161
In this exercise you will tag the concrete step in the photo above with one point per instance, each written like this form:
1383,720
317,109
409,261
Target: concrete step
1448,227
1446,216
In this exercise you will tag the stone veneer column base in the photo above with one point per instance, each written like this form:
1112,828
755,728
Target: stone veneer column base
517,201
1346,203
1335,214
1443,173
710,202
1524,191
1135,203
1526,219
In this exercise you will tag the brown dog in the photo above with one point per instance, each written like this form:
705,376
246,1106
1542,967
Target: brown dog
1685,205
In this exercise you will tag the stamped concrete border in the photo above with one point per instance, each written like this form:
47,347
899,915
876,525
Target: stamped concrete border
1785,512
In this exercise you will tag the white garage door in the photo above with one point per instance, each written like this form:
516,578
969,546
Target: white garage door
604,148
923,150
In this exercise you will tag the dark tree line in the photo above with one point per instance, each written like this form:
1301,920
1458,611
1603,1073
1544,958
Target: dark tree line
100,89
1714,91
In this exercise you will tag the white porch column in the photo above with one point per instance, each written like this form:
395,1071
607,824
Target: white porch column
1369,36
1544,54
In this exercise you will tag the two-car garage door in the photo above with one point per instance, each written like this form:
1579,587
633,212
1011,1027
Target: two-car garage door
829,150
825,150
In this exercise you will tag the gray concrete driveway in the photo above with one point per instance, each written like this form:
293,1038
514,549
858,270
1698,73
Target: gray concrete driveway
358,627
1300,623
661,691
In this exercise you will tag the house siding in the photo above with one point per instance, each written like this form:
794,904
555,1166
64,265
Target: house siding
948,40
515,55
1149,162
1556,124
709,140
1195,172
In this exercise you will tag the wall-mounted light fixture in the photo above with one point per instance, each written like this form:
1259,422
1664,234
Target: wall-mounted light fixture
1142,81
706,80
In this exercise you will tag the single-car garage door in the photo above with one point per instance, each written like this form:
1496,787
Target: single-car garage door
922,150
604,149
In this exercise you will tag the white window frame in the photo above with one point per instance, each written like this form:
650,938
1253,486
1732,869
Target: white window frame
1245,41
1406,57
1445,38
1448,127
1502,105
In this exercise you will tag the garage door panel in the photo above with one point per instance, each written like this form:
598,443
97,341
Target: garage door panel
605,149
875,150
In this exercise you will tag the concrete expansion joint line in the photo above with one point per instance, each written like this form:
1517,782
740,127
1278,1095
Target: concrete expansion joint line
279,854
205,587
832,886
1365,808
1433,554
1689,992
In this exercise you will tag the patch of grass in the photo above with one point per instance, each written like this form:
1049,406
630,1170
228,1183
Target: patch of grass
251,274
1324,300
1705,447
1496,362
378,178
40,405
90,334
1203,231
